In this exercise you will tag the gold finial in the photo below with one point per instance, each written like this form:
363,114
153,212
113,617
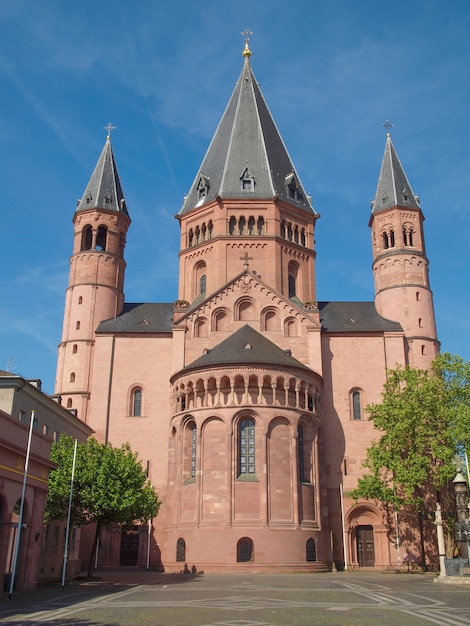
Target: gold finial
247,34
109,127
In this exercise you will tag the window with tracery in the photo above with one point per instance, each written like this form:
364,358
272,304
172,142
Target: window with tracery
246,447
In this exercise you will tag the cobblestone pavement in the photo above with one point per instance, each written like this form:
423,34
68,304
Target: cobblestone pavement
148,599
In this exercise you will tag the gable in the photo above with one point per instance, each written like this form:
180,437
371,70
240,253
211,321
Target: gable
246,299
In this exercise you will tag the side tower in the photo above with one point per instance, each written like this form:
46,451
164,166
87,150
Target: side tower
400,265
247,201
96,283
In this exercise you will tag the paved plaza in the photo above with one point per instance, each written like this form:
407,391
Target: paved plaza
149,599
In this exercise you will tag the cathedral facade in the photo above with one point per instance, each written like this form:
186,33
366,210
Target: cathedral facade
246,397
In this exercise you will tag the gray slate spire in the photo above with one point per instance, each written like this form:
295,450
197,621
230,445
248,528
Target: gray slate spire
104,189
247,157
393,188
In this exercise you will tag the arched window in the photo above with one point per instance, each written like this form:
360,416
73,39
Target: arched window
190,237
77,326
101,238
136,402
356,405
246,448
180,550
87,238
74,348
69,403
293,271
300,453
251,225
245,551
202,284
200,279
260,225
189,451
72,377
231,226
241,225
310,550
80,299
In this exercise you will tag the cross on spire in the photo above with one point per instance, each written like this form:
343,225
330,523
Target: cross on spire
388,125
246,258
247,34
109,127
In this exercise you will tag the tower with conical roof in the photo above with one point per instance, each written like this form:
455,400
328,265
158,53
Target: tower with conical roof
247,206
400,265
96,284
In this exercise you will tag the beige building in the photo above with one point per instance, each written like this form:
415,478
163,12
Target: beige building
245,398
41,547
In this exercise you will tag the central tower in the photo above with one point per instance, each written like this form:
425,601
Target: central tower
247,206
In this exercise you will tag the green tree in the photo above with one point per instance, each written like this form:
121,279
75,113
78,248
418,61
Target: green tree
110,487
423,420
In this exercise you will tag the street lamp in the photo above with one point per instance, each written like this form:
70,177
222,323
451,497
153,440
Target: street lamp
462,524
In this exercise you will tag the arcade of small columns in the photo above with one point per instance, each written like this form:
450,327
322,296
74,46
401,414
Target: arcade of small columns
259,386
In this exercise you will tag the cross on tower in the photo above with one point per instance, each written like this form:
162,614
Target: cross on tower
247,34
388,125
246,258
109,127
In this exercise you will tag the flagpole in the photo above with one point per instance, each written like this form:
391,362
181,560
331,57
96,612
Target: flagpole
344,530
66,549
20,517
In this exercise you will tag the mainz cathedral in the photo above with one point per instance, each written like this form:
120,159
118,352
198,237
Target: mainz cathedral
245,399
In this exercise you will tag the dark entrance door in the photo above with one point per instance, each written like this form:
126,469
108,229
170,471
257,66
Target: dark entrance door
365,546
129,547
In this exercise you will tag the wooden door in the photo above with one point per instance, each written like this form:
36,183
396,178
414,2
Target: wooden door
129,547
365,546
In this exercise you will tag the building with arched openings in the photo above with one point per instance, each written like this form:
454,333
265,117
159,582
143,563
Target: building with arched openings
246,397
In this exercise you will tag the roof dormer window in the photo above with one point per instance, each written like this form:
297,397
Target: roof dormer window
292,187
247,181
203,186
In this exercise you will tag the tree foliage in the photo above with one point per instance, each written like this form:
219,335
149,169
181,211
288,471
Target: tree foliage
423,420
110,486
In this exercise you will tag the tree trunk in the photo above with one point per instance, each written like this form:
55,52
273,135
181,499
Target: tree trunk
93,550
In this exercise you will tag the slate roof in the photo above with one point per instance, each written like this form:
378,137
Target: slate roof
141,318
246,141
354,317
247,346
335,317
393,188
104,189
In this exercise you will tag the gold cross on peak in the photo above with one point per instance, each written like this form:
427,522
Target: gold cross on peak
246,258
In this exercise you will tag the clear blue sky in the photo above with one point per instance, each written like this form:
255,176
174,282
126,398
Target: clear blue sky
162,73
